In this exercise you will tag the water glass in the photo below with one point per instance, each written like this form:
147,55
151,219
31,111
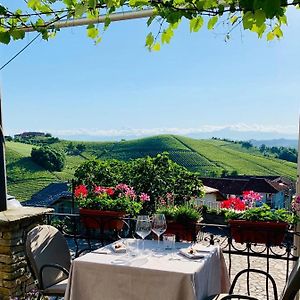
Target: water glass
169,241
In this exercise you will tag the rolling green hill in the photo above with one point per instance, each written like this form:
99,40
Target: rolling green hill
207,157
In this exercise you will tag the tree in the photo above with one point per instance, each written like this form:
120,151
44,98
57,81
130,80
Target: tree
155,176
48,158
264,17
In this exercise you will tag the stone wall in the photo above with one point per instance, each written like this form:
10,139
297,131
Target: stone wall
15,275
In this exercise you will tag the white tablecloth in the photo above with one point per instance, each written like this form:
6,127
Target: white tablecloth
146,277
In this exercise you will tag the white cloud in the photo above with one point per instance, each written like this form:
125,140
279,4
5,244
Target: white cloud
138,132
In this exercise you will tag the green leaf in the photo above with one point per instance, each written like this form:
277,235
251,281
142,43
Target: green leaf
248,20
149,40
33,4
283,19
196,24
270,36
212,22
92,31
69,3
167,35
2,10
221,9
17,34
107,22
278,32
4,37
92,3
260,17
39,23
150,20
259,30
80,9
156,47
233,20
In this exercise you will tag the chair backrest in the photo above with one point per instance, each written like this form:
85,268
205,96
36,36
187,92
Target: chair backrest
293,284
46,245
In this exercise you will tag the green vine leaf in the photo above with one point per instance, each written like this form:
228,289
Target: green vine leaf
270,36
17,34
156,47
196,24
149,40
212,22
4,37
92,32
260,17
167,35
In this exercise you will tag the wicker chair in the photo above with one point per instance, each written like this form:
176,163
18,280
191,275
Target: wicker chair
50,260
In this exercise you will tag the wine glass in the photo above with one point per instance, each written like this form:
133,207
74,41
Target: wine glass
159,226
143,227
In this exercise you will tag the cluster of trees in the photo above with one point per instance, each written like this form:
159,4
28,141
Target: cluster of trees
72,149
47,139
155,176
289,154
284,153
49,158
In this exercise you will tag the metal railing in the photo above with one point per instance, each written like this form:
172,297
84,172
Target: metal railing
85,238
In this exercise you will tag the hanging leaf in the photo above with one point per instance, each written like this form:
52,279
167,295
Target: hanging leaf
167,35
17,34
260,17
156,47
270,36
196,24
4,37
149,40
248,20
92,31
212,22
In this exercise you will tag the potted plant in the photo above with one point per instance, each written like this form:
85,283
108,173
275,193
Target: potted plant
257,223
106,206
182,219
213,215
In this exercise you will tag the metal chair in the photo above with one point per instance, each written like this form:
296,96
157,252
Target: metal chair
50,260
289,292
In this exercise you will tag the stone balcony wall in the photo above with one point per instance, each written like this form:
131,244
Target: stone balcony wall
15,275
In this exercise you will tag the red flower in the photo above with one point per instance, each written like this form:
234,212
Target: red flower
233,203
110,191
81,191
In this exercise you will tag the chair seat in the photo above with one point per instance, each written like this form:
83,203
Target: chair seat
56,289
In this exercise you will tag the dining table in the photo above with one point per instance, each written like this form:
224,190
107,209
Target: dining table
144,271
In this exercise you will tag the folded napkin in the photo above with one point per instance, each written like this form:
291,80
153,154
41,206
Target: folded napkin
191,253
118,247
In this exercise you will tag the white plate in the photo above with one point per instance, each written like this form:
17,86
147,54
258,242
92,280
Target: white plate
195,255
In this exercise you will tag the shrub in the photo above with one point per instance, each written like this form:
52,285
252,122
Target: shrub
155,176
48,158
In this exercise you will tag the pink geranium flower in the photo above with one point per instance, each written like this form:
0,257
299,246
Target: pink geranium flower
144,197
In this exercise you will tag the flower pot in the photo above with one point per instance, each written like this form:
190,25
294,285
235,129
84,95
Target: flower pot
213,218
269,233
103,219
183,232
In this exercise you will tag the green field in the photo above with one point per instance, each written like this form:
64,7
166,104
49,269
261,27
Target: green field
207,157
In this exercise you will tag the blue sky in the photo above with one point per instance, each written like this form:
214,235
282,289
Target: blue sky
70,87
